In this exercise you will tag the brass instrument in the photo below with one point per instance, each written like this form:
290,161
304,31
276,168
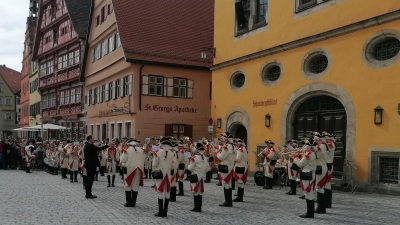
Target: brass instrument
204,141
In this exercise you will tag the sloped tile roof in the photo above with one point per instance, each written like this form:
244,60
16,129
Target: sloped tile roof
11,77
79,13
166,31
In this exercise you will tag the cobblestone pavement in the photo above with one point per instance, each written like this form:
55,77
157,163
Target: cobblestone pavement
40,198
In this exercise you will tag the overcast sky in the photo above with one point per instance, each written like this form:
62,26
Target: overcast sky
13,16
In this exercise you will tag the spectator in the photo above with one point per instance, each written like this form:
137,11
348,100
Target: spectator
1,154
7,155
40,156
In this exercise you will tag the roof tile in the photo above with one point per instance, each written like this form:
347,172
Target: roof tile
11,77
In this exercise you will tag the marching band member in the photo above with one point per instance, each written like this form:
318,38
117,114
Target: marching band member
269,164
154,148
73,162
227,155
208,152
103,162
133,160
83,170
29,156
111,156
174,171
330,142
307,163
291,147
218,162
181,167
149,158
189,147
62,149
55,158
198,166
241,168
162,165
321,171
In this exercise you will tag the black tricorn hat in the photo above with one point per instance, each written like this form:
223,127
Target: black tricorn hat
226,135
315,133
199,146
269,142
310,142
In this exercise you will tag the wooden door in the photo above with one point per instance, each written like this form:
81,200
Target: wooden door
241,133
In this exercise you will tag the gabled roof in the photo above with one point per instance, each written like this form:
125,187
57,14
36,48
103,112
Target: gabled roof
166,31
11,77
79,13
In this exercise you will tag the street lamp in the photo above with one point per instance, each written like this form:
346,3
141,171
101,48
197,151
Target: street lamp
219,122
378,115
268,120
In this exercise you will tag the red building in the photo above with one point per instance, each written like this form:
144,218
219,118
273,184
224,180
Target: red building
26,64
59,44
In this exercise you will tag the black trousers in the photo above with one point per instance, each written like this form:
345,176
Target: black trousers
91,172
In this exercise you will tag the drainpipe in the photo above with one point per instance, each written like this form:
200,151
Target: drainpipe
140,87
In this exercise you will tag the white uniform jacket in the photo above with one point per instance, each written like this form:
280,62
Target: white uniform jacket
227,156
133,159
198,166
163,160
242,161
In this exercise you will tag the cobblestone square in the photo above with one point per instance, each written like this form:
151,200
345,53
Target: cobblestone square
40,198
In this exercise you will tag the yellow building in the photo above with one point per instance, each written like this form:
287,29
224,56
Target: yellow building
34,99
285,68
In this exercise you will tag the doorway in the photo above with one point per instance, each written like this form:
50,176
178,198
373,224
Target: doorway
324,113
239,131
104,131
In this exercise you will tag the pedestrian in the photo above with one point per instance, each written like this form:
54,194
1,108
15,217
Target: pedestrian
90,152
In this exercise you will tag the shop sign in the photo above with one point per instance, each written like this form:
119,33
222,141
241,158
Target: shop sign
169,109
268,102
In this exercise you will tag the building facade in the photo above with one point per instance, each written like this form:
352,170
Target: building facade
10,81
26,66
58,51
35,99
152,81
286,68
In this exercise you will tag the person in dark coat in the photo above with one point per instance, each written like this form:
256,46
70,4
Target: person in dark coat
90,152
7,155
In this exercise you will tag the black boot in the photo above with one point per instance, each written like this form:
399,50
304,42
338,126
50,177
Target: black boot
208,177
55,170
113,181
109,181
268,183
328,198
150,174
180,185
145,173
228,198
102,169
166,207
240,195
75,176
310,209
293,186
128,197
71,176
173,194
28,169
302,197
219,183
200,202
96,178
196,203
233,183
321,203
160,208
134,197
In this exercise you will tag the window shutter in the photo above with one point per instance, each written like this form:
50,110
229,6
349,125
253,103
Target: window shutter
121,87
145,85
189,130
93,56
89,97
130,84
168,130
106,93
114,90
170,87
190,89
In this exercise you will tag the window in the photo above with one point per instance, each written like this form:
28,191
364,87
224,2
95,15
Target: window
67,97
60,63
180,87
386,49
242,9
238,80
91,129
127,85
8,101
110,10
65,61
98,131
49,68
103,94
112,130
389,170
128,128
72,94
98,95
153,85
71,59
120,86
102,14
302,5
178,130
44,101
111,92
117,41
317,64
271,73
90,93
76,60
104,48
106,94
53,100
42,71
78,92
97,20
1,100
8,116
262,7
119,130
111,44
1,87
62,102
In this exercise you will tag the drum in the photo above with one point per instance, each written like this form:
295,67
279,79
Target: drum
259,178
